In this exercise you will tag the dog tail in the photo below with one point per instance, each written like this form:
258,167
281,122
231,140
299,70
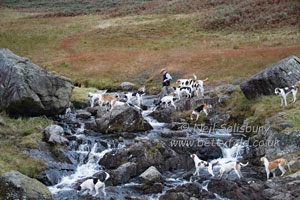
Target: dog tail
244,165
205,80
195,77
107,176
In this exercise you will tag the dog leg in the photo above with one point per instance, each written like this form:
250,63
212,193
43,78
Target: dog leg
103,190
173,104
274,174
205,111
211,171
282,169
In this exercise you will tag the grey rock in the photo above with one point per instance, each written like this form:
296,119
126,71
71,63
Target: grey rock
123,173
27,89
83,114
122,118
150,176
54,134
128,86
15,185
281,74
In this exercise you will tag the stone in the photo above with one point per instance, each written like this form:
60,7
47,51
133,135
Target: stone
27,89
15,185
54,134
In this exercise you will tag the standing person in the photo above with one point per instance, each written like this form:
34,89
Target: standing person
166,89
166,78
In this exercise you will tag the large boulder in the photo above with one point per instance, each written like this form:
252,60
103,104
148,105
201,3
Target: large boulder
281,74
122,118
27,89
15,185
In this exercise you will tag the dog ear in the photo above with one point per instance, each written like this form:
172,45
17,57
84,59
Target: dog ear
95,180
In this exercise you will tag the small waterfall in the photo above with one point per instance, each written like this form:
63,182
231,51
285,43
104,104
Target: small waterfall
84,170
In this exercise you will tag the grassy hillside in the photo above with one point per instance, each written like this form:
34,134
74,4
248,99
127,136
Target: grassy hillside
236,14
99,51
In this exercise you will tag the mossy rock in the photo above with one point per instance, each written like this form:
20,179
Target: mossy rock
15,185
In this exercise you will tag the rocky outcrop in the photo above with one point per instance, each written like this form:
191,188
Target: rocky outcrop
281,74
27,89
54,134
122,118
15,185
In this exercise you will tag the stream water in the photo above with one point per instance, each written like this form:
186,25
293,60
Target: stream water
89,149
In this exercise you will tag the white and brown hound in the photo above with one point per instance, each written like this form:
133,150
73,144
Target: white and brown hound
272,166
196,113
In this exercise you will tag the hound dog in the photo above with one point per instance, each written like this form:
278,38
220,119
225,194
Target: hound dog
228,167
108,101
95,96
166,101
181,91
196,113
198,85
272,166
283,92
185,82
91,184
200,164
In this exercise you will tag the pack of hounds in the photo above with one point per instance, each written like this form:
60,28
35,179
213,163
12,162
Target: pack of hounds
187,88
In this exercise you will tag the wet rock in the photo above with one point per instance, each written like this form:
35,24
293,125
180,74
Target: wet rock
235,189
163,114
187,191
281,74
171,134
93,110
54,134
154,189
91,124
15,185
128,86
150,176
123,173
27,89
56,167
83,114
122,119
176,125
144,153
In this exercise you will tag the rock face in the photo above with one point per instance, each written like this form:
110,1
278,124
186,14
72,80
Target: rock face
53,134
122,119
282,74
15,185
26,89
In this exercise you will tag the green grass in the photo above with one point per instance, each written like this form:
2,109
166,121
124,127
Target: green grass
258,110
16,136
81,94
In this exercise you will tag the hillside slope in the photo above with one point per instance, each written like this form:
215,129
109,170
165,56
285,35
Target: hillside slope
237,14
